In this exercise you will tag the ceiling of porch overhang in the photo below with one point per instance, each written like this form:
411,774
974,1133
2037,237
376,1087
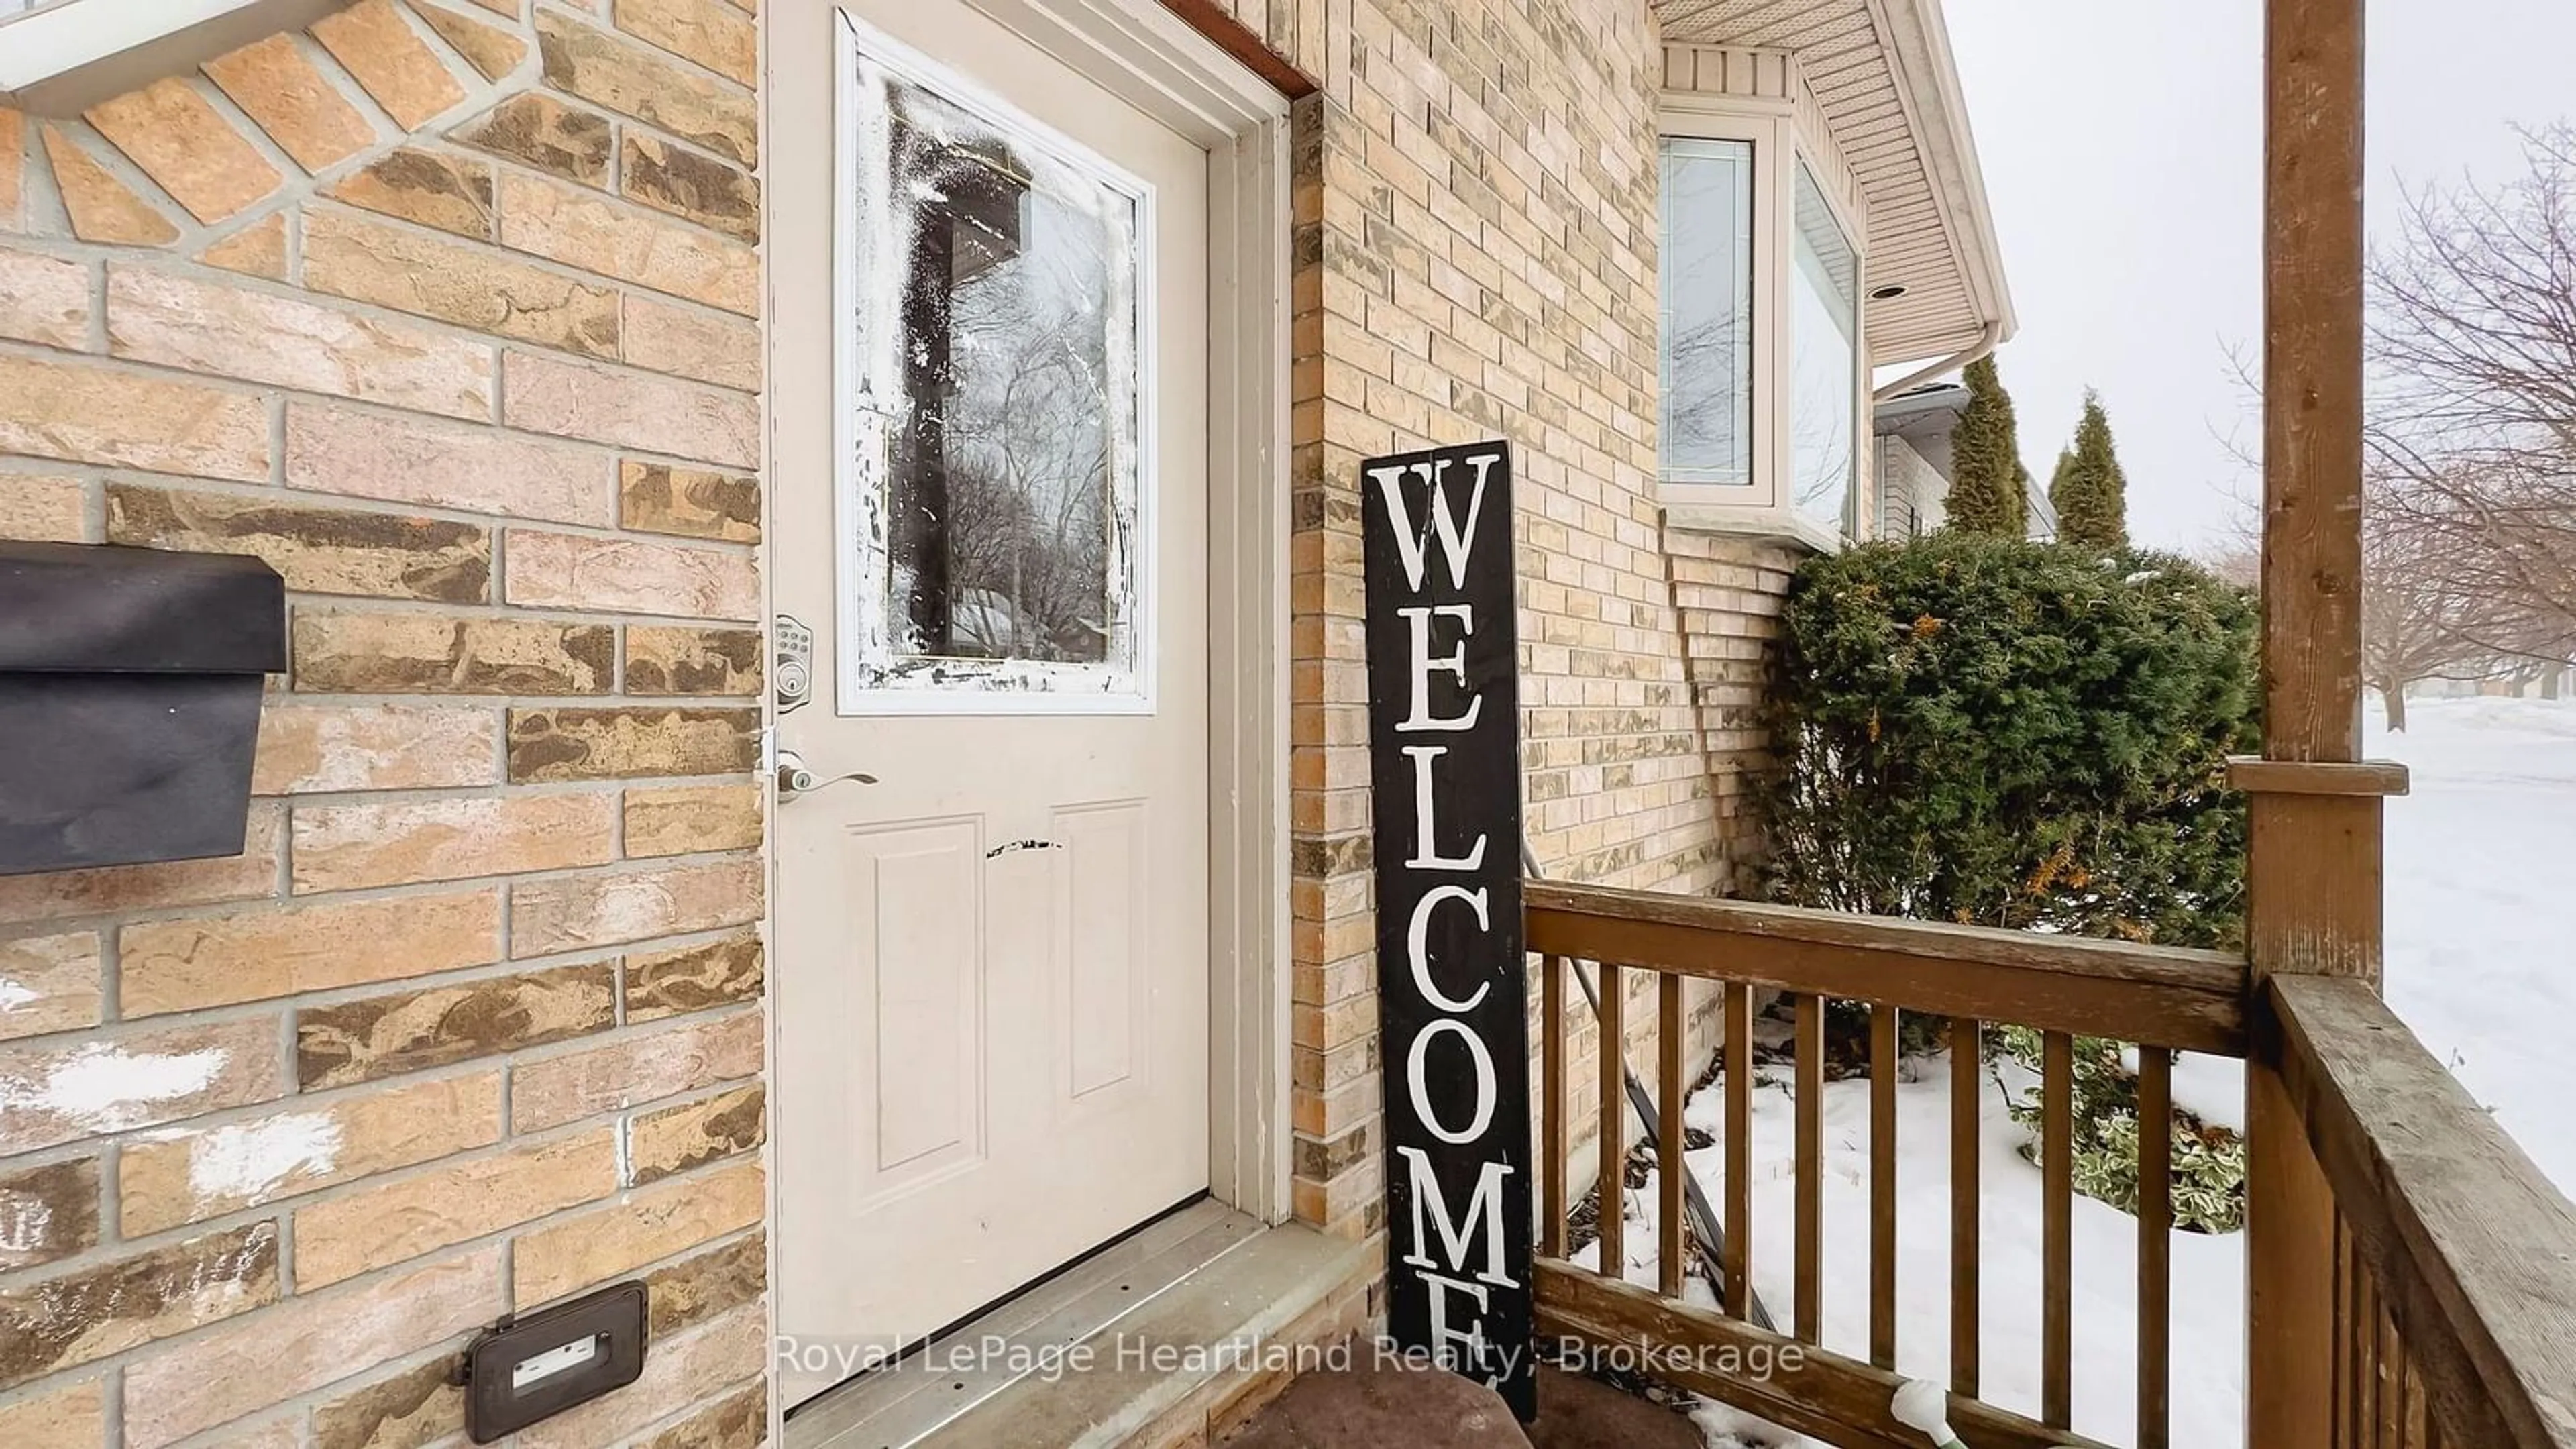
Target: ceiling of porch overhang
1881,70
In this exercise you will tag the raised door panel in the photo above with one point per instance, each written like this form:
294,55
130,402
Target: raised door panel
915,930
1102,935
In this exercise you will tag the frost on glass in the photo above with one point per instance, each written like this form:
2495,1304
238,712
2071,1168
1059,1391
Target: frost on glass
1707,305
998,316
1824,377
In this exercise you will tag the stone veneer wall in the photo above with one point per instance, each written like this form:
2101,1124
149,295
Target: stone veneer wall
448,309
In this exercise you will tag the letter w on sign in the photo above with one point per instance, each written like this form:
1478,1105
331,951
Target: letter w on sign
1444,750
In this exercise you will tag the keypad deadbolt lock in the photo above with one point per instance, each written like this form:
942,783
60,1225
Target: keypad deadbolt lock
792,673
791,670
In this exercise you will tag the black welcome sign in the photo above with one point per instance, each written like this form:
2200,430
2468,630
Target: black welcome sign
1444,744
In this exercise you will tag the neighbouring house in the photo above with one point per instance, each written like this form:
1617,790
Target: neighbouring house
823,764
1914,468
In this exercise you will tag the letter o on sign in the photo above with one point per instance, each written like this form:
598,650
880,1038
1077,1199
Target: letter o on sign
1415,1083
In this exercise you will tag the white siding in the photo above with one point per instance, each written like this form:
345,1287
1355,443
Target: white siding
1913,497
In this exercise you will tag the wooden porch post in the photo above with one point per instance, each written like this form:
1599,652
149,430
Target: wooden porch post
2314,872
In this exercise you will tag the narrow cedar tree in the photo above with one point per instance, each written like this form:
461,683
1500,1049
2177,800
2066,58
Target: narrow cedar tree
1985,456
2090,492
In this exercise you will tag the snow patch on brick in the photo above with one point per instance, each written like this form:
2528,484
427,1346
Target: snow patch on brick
248,1162
26,1222
108,1089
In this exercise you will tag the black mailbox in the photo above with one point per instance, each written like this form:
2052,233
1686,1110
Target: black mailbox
129,702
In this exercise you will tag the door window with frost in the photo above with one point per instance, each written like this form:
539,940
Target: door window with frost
996,505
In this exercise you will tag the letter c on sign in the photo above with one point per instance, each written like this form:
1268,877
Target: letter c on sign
1484,1081
1418,946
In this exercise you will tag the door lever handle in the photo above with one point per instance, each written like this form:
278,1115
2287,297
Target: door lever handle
795,779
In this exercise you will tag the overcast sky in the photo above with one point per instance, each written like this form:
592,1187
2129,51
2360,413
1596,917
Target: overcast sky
2122,145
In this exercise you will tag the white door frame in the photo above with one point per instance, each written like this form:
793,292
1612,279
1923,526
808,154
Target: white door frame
1155,61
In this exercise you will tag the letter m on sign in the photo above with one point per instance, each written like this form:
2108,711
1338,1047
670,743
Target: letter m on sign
1444,747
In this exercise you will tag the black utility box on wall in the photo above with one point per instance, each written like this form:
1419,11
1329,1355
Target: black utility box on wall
129,702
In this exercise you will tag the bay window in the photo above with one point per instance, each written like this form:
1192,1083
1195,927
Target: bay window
1760,359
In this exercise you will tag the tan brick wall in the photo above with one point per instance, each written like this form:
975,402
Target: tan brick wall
1475,249
449,310
1730,591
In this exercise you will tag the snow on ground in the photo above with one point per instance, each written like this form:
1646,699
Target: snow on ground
2209,1088
2482,906
2209,1332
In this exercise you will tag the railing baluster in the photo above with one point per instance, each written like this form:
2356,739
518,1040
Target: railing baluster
1612,1190
2357,1348
1810,1291
2057,1230
1552,1167
2155,1247
2392,1383
1966,1095
1883,1019
1739,1149
2419,1412
1671,1170
2345,1395
2365,1360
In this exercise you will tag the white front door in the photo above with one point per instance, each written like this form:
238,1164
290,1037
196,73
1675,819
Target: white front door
989,383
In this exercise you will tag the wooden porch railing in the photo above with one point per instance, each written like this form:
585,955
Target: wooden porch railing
2456,1320
2455,1292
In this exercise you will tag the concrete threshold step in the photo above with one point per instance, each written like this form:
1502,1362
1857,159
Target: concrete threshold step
1098,1354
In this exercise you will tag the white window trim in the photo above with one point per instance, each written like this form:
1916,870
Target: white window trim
1763,508
69,34
1764,125
1758,423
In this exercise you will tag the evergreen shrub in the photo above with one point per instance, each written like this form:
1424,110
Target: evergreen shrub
2002,733
1995,732
2208,1160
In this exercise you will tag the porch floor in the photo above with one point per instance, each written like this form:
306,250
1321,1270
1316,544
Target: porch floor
1384,1408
